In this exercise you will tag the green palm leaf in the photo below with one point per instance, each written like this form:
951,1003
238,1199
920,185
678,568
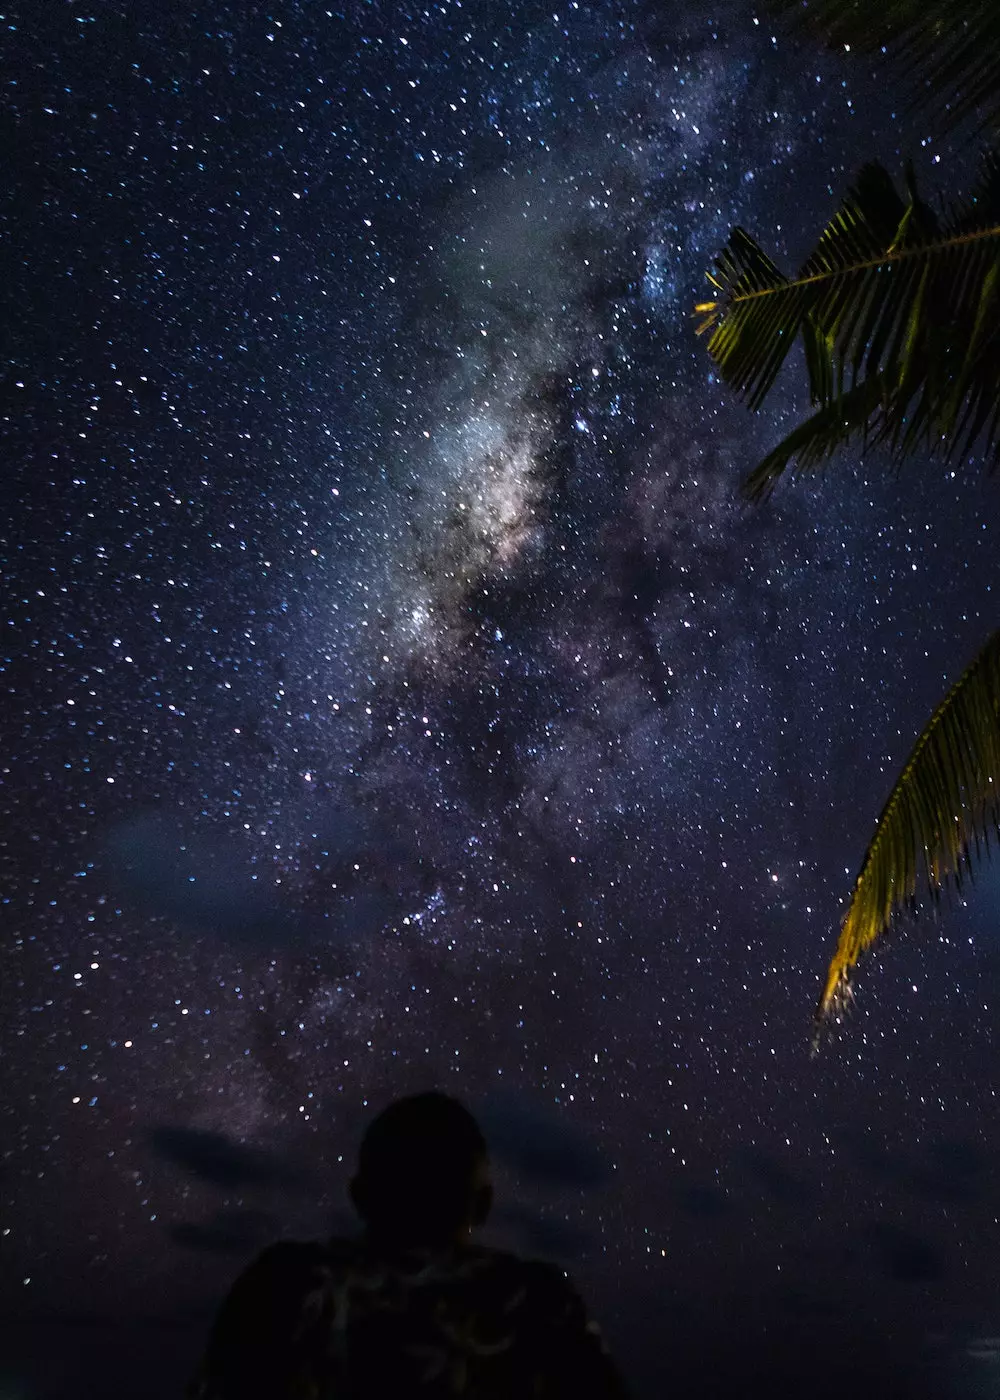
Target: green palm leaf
892,295
940,815
950,56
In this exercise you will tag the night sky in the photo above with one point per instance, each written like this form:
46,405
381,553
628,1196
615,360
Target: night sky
397,694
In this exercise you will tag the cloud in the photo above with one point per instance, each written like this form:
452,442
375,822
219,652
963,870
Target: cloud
209,882
218,1160
547,1235
703,1201
904,1256
781,1185
226,1232
539,1145
950,1170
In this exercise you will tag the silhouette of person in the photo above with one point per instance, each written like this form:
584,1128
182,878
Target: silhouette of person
412,1308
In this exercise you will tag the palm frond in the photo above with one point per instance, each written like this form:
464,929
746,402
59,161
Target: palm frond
890,293
948,55
941,813
812,444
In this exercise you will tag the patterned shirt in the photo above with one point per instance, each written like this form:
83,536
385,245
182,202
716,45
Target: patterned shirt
342,1322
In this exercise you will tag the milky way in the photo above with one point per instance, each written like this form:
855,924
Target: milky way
397,692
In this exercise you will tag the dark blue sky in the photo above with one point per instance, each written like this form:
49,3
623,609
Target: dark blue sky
396,693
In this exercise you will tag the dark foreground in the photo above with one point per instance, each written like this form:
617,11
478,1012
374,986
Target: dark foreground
92,1359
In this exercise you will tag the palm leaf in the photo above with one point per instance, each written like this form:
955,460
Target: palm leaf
940,815
812,444
946,55
892,294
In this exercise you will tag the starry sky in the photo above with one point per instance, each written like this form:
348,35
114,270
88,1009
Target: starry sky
397,694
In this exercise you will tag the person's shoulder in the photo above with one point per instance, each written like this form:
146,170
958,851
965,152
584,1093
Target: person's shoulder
549,1307
282,1266
286,1255
541,1269
263,1302
539,1277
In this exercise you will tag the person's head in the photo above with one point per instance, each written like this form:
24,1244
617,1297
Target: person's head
423,1173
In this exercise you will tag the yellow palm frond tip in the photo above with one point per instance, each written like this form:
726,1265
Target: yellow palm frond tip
940,815
708,311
